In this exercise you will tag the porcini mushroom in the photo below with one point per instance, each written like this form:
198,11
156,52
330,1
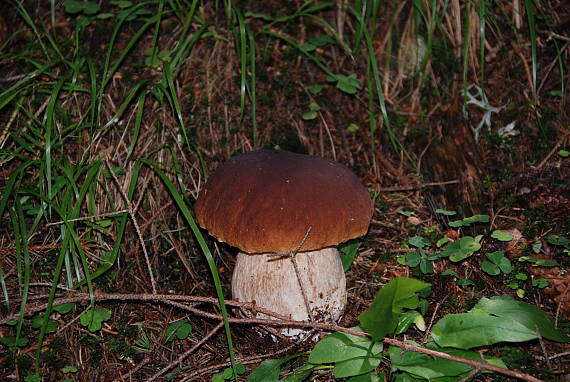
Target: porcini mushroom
276,202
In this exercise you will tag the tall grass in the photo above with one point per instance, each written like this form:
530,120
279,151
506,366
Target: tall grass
63,122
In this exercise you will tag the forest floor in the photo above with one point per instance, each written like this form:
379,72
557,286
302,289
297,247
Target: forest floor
82,105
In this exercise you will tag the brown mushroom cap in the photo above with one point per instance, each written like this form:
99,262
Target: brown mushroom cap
264,202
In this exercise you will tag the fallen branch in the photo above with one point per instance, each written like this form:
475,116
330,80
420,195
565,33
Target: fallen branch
279,320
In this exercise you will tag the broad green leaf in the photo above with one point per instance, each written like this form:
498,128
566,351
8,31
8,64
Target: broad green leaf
505,265
442,241
496,256
38,322
501,235
10,341
418,241
355,366
523,313
490,268
413,259
564,153
179,329
348,252
299,375
369,377
426,367
64,308
460,250
474,329
450,272
93,318
408,318
426,266
347,84
382,316
269,370
540,283
339,347
558,240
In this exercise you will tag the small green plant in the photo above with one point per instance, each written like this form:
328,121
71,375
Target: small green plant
393,310
466,222
178,329
496,264
419,257
142,344
93,319
314,108
228,373
461,249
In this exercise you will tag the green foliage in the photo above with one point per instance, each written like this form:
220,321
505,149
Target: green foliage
38,322
466,222
178,329
312,113
87,7
12,341
462,249
501,235
494,320
352,355
93,318
143,343
347,84
348,252
419,257
497,263
269,370
490,321
386,309
423,366
445,212
228,373
69,369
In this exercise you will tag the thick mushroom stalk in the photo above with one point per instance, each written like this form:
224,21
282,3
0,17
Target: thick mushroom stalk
271,282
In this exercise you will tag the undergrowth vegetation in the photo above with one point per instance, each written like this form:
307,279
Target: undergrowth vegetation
454,115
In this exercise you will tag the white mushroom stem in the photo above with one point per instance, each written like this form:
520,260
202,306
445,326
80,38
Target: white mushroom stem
271,282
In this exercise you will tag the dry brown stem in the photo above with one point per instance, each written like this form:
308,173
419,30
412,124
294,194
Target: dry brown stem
281,321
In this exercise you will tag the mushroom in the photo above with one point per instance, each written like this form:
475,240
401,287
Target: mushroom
269,203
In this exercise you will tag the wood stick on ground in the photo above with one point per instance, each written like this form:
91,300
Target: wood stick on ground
281,321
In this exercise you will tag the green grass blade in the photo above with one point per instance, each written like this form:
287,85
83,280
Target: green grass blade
179,199
240,38
252,86
138,125
49,123
482,39
529,6
24,267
